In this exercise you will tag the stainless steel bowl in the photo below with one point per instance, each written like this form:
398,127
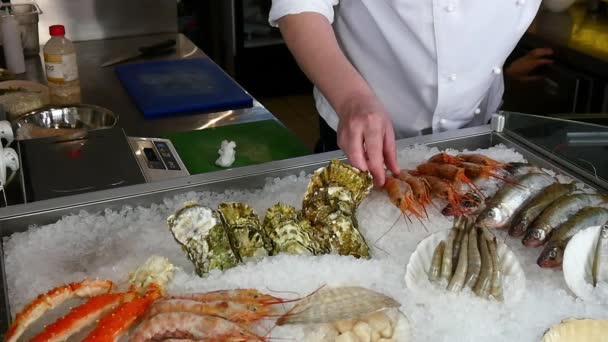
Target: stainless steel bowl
63,120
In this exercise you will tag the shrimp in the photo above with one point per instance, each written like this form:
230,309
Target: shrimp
401,195
236,295
113,326
82,316
449,172
191,326
480,159
478,171
53,298
239,312
420,188
444,158
443,190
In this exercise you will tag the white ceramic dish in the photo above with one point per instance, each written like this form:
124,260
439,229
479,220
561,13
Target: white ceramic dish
575,330
403,331
417,279
578,264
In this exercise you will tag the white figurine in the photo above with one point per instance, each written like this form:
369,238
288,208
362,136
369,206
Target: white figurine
227,154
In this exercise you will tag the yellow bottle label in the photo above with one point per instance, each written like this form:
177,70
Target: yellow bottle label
61,68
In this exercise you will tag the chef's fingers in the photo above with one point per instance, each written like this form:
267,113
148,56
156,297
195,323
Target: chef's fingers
541,52
374,139
541,62
390,151
351,142
532,78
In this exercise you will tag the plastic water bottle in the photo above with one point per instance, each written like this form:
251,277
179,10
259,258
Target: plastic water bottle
11,43
61,68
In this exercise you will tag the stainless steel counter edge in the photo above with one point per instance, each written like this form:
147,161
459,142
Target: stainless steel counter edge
274,168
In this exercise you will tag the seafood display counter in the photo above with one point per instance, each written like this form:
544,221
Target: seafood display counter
305,249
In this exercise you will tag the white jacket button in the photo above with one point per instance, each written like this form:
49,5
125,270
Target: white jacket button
497,70
477,111
443,121
450,8
521,2
452,77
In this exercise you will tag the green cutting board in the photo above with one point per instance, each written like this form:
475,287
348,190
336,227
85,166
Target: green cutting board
256,142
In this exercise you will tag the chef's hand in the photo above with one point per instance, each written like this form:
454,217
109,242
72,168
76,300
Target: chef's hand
366,135
522,68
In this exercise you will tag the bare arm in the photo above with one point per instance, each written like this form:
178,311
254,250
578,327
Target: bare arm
365,132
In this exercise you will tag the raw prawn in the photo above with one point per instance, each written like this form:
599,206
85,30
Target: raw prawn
191,326
53,298
113,326
449,172
444,158
401,195
239,312
236,295
443,190
82,316
478,171
420,188
480,159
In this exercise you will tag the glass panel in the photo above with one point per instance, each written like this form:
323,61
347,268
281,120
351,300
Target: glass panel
582,144
256,30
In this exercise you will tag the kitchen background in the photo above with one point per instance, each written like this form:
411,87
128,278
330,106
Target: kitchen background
236,35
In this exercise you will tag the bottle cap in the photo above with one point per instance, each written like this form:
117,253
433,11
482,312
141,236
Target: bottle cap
57,30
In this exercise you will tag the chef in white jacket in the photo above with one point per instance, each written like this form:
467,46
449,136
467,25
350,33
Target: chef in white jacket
387,69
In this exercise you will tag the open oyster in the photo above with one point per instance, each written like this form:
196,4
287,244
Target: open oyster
290,233
244,230
203,237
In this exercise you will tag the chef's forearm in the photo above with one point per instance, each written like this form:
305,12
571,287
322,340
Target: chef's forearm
311,39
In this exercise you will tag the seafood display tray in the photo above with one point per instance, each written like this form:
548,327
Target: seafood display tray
19,218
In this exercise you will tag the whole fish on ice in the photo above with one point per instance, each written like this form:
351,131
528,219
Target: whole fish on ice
553,254
508,200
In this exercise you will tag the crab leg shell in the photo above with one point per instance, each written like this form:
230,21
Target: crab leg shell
82,316
53,298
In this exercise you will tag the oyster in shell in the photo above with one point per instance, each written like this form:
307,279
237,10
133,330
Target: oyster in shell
290,233
339,174
244,230
333,195
203,237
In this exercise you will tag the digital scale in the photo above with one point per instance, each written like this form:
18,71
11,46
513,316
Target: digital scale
103,159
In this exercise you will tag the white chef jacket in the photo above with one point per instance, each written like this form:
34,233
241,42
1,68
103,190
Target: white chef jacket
433,63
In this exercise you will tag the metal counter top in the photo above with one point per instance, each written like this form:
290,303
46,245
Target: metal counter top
101,87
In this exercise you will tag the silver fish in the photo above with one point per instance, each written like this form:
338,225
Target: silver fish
511,198
558,213
600,261
536,206
553,254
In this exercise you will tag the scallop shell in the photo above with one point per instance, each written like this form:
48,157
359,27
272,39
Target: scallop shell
417,279
578,264
575,330
403,331
336,304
